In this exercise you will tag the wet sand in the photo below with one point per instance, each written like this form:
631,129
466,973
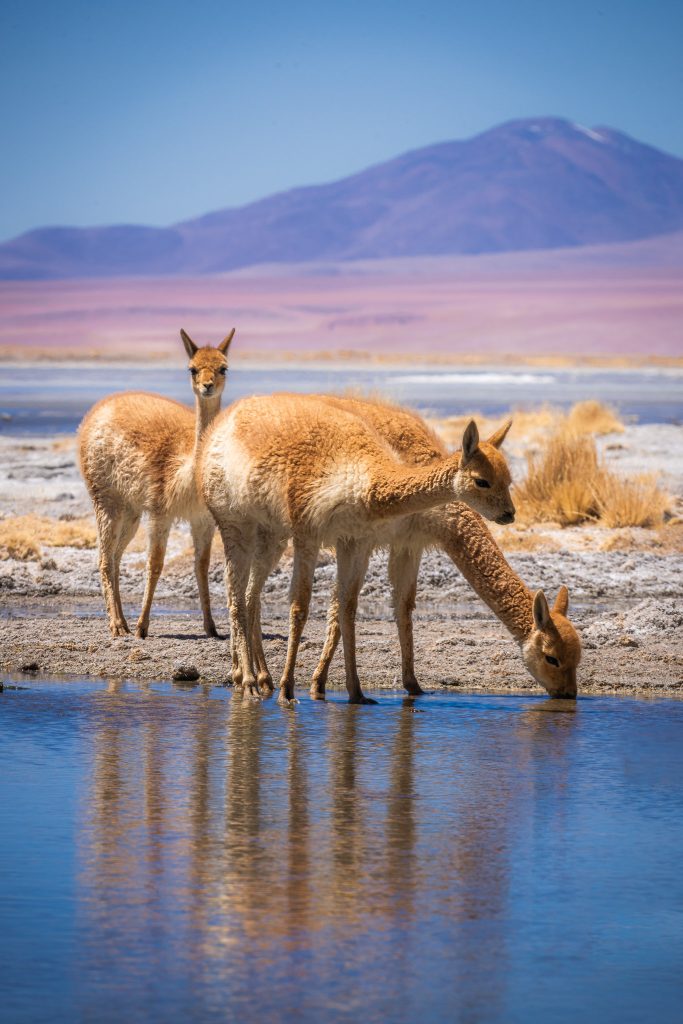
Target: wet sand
469,650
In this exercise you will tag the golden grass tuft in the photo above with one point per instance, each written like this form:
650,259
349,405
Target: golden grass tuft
22,537
593,418
523,540
534,425
64,444
637,502
19,543
558,487
567,483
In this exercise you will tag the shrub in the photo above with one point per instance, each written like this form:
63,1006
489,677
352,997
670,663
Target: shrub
568,484
22,537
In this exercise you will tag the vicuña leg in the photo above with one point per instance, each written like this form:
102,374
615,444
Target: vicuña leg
238,544
202,535
268,552
156,552
332,636
129,523
303,569
352,564
404,566
109,518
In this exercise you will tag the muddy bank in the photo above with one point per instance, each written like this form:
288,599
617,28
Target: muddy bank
636,651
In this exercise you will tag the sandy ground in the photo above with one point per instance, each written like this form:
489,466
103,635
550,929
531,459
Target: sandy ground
626,590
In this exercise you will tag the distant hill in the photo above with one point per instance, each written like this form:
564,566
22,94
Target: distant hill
541,183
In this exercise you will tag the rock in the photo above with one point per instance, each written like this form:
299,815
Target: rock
628,641
184,673
30,666
138,655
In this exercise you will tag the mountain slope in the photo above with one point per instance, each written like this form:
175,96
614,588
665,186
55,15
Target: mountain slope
532,184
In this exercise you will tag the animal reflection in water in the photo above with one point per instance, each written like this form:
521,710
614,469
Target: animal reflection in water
322,830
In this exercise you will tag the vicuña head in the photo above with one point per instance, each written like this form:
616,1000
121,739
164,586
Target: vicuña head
484,475
208,365
553,649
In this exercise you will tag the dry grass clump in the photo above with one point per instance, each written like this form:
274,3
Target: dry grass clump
535,425
22,537
558,486
636,502
568,484
523,540
593,418
64,444
16,541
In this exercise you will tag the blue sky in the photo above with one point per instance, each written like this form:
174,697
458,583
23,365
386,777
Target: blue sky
143,112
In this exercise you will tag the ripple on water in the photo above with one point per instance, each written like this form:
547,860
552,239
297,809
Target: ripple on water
168,853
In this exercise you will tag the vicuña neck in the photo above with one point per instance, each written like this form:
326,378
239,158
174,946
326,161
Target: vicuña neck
206,410
466,539
401,491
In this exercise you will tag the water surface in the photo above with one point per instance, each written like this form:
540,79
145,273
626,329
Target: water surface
55,399
168,854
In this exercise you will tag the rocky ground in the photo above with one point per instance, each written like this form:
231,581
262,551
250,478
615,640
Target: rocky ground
626,591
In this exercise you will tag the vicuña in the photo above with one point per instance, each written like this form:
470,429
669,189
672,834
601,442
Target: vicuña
550,645
137,454
298,466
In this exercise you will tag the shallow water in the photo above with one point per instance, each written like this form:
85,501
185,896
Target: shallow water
56,399
168,854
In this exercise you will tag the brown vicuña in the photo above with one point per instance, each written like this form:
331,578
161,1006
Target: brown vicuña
137,454
550,646
300,466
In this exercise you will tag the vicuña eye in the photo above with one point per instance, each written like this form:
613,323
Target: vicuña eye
552,661
193,371
223,370
481,482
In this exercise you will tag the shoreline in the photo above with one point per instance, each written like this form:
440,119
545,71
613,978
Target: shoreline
18,358
625,585
471,653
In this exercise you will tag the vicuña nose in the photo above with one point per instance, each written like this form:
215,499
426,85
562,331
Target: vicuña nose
507,517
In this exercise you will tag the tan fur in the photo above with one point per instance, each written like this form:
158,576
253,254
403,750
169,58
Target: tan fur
464,536
304,466
137,453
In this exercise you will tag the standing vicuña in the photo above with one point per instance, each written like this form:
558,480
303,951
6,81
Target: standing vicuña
551,648
137,454
293,466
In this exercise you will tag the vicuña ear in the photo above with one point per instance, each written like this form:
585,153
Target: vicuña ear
190,346
470,441
498,436
541,610
562,601
225,344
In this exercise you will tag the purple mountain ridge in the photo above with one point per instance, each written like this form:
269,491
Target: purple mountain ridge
540,183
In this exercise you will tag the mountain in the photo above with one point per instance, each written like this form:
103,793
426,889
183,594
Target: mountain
542,183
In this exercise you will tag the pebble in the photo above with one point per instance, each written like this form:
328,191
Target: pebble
182,672
628,641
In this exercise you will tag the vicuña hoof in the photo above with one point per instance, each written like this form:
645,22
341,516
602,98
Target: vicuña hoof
286,702
119,629
251,695
316,693
415,690
211,631
362,700
265,683
141,632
